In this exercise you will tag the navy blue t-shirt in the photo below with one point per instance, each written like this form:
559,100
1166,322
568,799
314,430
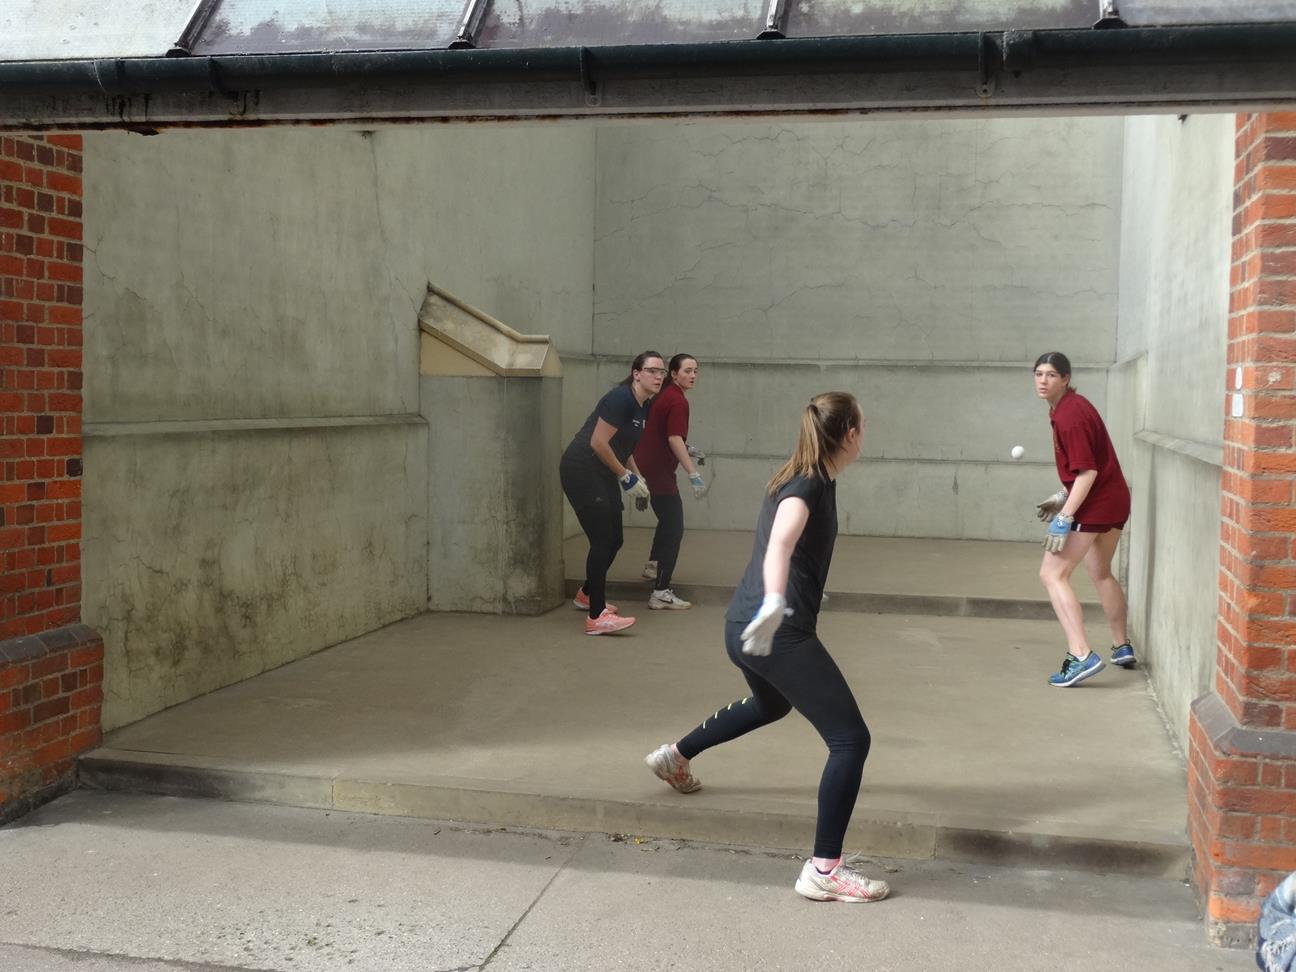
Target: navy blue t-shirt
811,556
621,410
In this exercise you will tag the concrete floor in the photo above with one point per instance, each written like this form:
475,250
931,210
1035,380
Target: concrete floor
526,721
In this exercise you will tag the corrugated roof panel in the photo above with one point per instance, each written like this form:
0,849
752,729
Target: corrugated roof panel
590,23
295,26
841,18
57,30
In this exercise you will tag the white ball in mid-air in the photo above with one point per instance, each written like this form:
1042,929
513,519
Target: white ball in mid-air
1017,452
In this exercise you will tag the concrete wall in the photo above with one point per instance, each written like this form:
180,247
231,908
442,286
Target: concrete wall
256,466
921,264
1167,390
494,543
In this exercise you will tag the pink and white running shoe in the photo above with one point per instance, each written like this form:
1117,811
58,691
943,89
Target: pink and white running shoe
672,769
843,883
581,602
609,622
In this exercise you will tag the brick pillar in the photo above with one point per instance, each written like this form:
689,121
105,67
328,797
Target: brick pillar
1242,751
51,668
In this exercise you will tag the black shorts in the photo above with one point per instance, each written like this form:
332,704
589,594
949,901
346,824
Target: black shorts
585,487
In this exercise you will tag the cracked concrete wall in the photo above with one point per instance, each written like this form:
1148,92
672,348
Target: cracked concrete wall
256,469
921,264
1168,390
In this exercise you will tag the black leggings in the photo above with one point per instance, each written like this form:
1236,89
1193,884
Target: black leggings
597,502
799,674
666,539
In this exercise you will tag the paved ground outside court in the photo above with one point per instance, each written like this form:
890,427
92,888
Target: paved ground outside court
113,883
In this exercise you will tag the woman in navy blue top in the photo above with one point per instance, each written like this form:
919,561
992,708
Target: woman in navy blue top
597,467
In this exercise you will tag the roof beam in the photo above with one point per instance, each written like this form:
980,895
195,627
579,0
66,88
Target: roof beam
1171,69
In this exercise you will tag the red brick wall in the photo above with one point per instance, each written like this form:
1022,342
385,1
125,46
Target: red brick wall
1242,756
51,667
51,693
40,382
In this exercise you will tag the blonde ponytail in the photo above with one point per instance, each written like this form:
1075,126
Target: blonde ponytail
825,423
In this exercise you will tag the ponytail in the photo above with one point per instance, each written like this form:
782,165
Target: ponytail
825,423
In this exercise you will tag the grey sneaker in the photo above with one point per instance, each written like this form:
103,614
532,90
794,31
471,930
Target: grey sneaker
667,600
670,768
844,882
650,570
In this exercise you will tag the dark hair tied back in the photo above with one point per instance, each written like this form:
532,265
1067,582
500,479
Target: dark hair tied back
1058,361
637,365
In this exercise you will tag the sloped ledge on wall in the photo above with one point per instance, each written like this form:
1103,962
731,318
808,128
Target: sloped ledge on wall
458,339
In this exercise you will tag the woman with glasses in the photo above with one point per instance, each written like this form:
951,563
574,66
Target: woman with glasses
663,447
596,469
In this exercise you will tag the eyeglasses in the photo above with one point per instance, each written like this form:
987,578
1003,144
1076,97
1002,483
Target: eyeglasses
659,372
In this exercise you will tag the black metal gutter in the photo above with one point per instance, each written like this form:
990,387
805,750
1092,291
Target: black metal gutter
989,53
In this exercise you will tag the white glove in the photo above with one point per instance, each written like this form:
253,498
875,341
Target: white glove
698,483
632,484
697,455
1050,507
758,637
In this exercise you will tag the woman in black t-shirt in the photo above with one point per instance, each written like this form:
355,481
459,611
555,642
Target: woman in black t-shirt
770,636
596,468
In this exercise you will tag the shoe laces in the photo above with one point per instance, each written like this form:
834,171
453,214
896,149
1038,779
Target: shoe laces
848,872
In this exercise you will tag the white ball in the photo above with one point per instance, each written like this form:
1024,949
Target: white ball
1018,452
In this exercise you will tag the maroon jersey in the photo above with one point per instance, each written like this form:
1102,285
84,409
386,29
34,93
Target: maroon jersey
1080,442
669,416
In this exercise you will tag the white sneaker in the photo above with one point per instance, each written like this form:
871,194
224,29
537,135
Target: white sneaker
664,763
650,570
843,883
667,601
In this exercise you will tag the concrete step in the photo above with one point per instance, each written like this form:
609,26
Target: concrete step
906,835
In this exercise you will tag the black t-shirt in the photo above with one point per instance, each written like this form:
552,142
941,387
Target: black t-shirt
621,410
811,556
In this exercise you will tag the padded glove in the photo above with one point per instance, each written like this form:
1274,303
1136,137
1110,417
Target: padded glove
758,637
632,484
1051,506
1058,529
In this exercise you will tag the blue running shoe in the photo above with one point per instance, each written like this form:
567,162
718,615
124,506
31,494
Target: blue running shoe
1074,671
1123,655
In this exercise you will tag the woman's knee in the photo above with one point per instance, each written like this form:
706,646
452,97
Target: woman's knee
1054,574
854,741
1100,573
772,710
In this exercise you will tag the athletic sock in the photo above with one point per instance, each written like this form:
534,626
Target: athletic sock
831,864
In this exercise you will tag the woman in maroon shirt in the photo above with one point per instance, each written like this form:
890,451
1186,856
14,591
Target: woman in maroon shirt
664,446
1085,520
